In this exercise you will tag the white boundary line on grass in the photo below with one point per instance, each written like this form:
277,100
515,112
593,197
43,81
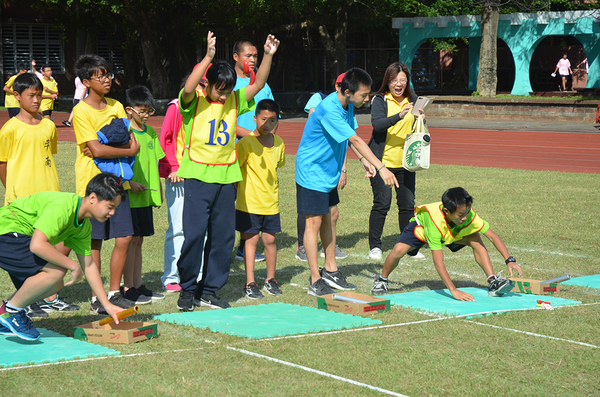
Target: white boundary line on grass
534,334
81,360
316,371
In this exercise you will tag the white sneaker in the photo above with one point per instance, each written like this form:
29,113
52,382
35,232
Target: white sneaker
375,254
418,256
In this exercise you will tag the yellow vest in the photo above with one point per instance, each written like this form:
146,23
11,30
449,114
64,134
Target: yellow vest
447,235
213,132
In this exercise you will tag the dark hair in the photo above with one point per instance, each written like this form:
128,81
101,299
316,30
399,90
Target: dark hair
21,66
391,73
44,67
106,186
240,44
139,96
457,196
25,81
268,104
221,75
354,78
89,64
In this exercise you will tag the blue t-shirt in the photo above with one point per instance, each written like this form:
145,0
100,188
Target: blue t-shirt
315,100
322,149
246,120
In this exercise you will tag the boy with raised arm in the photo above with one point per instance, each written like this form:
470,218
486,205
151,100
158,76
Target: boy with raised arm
210,169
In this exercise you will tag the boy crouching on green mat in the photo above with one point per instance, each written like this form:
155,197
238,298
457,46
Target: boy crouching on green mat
31,226
454,224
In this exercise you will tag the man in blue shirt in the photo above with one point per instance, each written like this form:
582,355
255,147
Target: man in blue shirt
245,55
319,162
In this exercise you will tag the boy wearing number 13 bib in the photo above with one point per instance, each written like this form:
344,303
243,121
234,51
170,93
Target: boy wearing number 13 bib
210,168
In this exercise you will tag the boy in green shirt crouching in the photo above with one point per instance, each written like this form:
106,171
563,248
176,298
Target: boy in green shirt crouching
454,224
31,226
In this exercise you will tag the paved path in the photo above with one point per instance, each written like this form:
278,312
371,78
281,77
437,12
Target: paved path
531,145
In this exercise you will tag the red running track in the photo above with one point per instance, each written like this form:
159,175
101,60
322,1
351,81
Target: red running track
554,151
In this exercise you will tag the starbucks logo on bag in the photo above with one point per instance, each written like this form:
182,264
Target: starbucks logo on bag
413,154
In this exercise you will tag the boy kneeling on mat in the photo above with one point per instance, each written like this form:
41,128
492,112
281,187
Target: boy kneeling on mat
31,226
454,224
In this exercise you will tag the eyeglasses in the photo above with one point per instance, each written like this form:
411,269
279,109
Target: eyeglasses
398,81
103,78
144,114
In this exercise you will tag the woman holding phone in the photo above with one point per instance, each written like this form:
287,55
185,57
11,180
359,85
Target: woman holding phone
392,119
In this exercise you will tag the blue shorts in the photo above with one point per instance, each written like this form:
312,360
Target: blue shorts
408,237
119,225
143,221
12,112
17,259
311,202
252,223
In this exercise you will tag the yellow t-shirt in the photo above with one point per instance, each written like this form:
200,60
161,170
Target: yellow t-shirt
9,99
48,103
396,134
258,192
87,121
27,150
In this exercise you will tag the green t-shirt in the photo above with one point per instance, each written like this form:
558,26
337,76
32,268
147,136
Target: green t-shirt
193,121
53,213
145,169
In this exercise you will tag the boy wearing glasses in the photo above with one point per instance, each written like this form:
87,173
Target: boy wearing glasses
146,192
89,116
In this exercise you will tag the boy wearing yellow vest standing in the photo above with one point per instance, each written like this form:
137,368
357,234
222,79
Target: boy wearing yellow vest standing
210,169
454,224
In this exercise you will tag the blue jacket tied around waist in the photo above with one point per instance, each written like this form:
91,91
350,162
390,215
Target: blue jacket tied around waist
116,134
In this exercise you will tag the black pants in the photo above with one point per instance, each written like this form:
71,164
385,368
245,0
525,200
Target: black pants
382,200
208,207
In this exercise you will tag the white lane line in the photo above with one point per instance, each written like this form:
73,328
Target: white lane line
81,360
534,334
315,371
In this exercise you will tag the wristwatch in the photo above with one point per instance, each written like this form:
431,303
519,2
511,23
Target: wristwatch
510,259
344,171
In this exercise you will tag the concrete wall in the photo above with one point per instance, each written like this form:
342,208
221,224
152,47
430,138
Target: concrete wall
506,108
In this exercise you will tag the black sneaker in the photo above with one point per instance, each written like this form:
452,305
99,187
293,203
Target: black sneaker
185,303
134,296
380,287
67,123
498,286
212,301
336,279
319,288
252,291
272,287
118,300
35,311
97,308
155,296
57,305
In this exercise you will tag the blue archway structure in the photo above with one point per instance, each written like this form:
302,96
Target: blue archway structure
521,32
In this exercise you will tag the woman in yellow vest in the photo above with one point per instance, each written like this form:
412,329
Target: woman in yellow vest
392,121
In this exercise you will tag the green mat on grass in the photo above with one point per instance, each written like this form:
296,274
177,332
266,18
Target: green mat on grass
585,281
441,301
51,347
269,320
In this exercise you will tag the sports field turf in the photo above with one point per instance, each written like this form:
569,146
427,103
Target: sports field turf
549,221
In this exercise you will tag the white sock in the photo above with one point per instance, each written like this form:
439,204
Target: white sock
112,293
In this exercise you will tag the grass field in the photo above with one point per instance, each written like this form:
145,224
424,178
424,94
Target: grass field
549,221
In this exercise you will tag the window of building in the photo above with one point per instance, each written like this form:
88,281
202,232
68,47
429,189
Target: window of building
22,42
